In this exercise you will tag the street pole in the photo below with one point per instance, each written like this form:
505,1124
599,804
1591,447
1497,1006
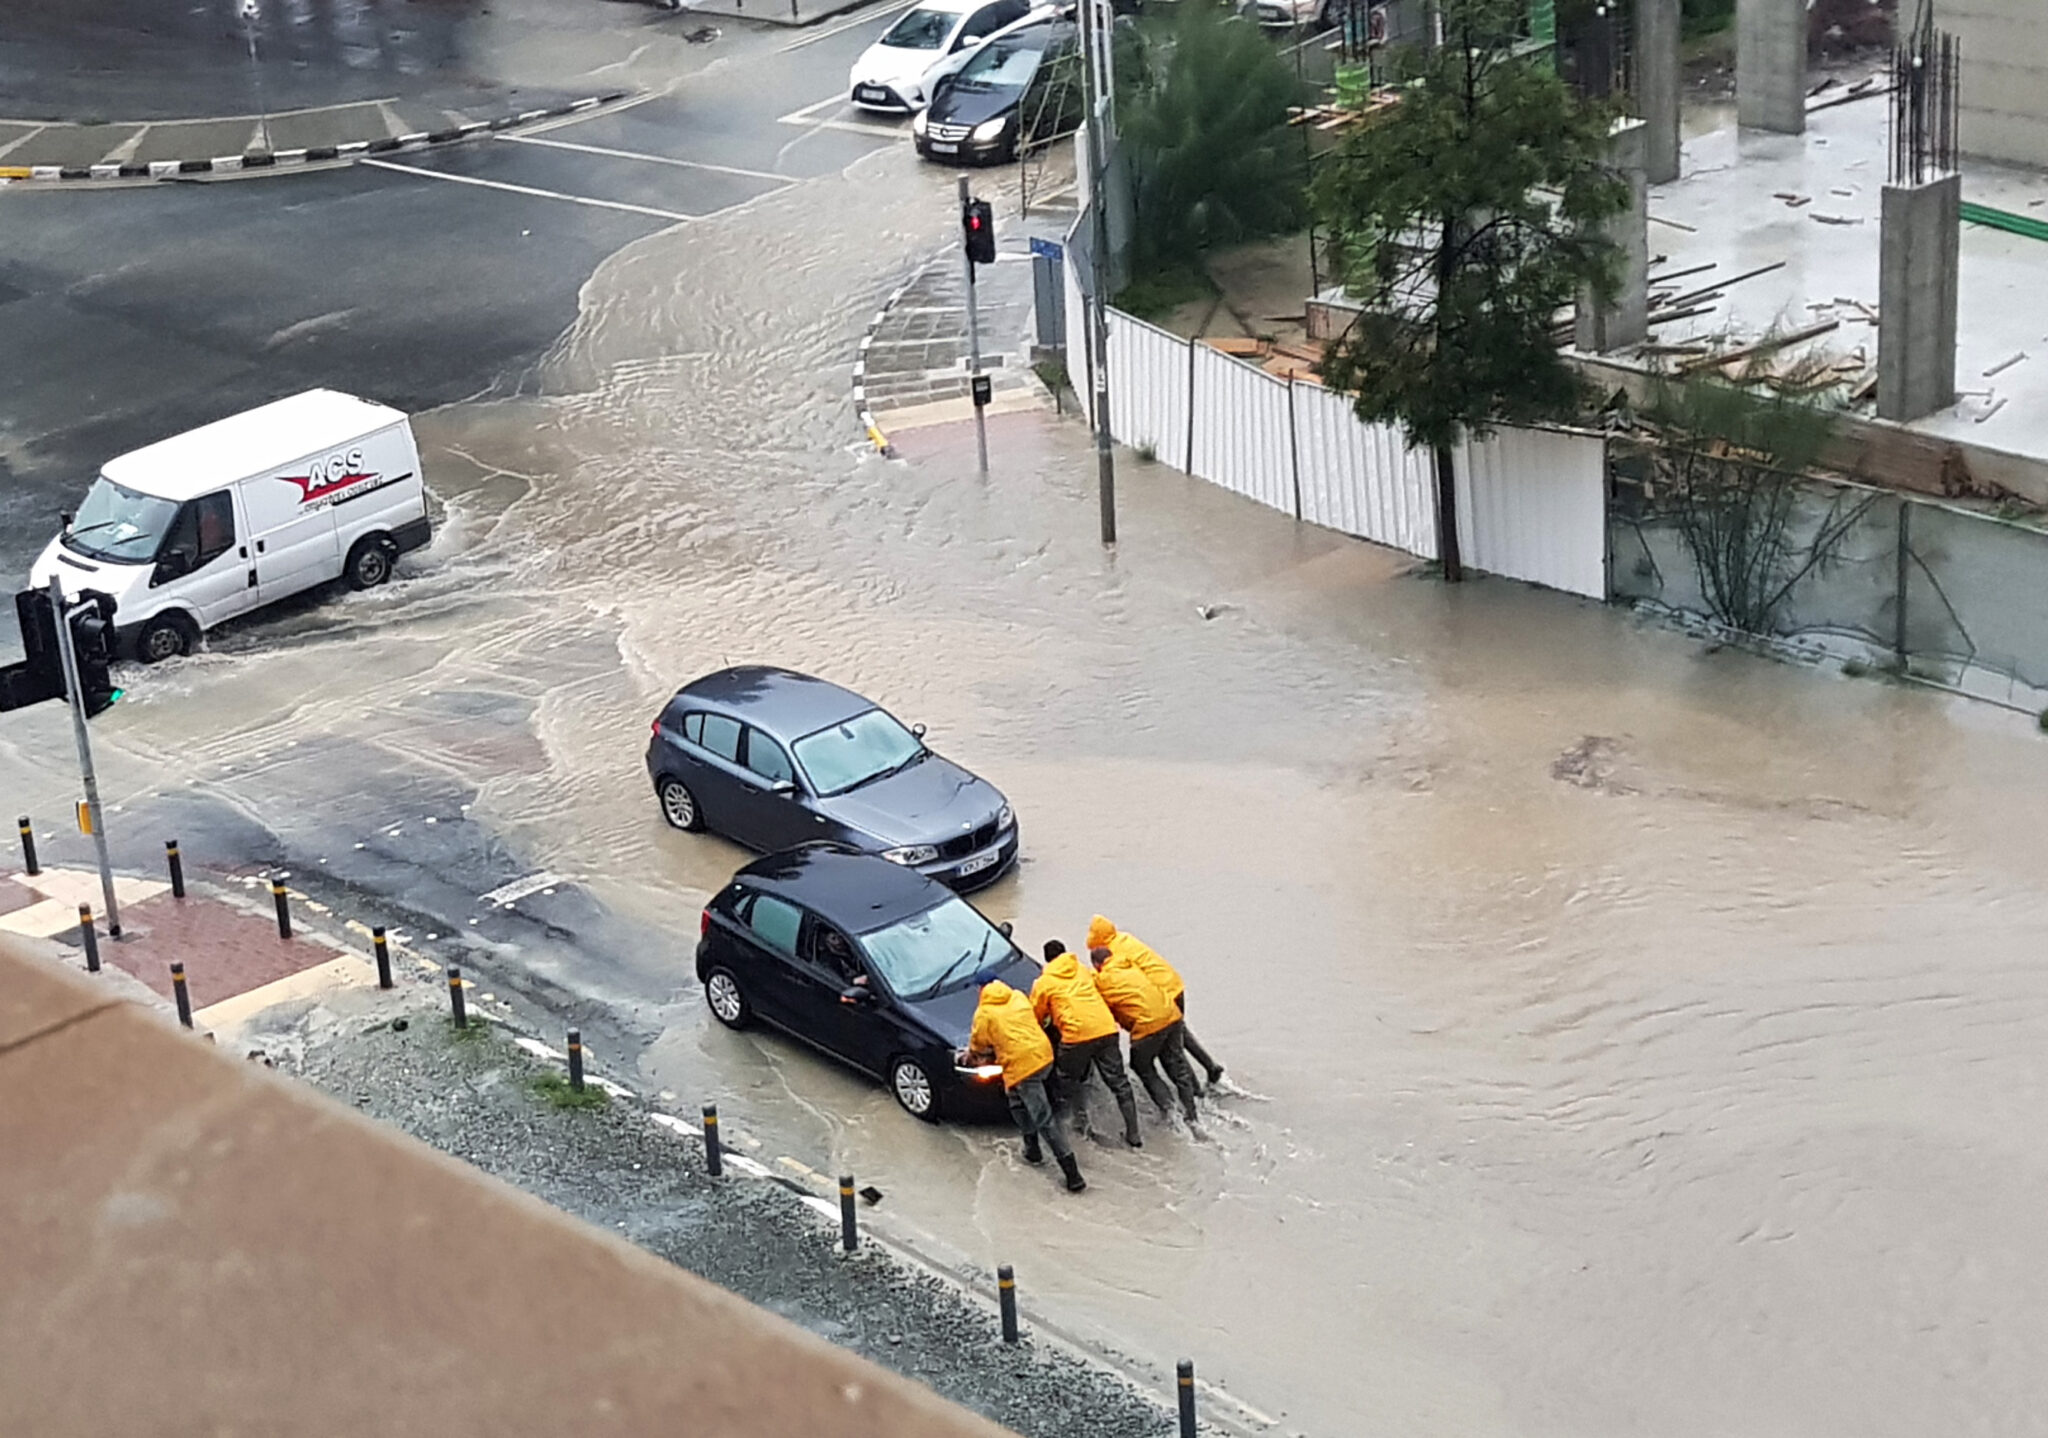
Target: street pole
249,17
76,693
1094,67
974,381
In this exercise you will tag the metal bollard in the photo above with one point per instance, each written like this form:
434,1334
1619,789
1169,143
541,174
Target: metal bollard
576,1059
178,991
714,1158
455,998
28,847
284,909
89,937
849,1239
1006,1292
383,957
177,868
1186,1370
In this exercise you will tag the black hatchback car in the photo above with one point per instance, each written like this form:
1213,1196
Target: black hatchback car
771,758
870,962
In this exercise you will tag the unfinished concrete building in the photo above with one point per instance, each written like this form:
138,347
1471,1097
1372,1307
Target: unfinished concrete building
2004,76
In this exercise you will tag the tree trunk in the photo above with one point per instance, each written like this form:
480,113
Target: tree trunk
1447,515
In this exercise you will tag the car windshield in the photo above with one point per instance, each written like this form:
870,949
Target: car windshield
918,957
851,753
921,30
1005,63
119,524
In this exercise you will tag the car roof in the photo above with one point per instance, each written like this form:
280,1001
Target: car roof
787,704
857,892
243,445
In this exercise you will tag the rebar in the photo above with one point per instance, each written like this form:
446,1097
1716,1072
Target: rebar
1924,103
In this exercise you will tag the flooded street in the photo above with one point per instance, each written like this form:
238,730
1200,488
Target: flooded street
1635,1039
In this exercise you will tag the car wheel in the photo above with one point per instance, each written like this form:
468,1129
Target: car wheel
728,1005
679,805
912,1085
369,563
165,637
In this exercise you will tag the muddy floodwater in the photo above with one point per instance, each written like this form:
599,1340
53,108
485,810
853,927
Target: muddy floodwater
1633,1039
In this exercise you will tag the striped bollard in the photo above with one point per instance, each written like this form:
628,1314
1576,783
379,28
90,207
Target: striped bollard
849,1236
89,937
28,847
1185,1371
179,992
1006,1294
714,1157
455,1003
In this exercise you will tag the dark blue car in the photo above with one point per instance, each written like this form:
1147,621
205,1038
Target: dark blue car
770,759
870,962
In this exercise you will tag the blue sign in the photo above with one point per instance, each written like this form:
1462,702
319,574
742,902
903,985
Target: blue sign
1048,249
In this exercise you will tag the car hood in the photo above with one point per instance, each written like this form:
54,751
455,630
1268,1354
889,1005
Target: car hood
958,106
951,1015
885,64
124,580
933,800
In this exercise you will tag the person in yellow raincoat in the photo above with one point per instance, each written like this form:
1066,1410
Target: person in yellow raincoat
1154,1025
1007,1031
1066,999
1102,934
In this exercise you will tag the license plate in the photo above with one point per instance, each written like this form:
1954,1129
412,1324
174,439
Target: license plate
976,864
945,147
873,94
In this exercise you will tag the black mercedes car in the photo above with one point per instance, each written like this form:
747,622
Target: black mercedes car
1013,87
869,961
771,758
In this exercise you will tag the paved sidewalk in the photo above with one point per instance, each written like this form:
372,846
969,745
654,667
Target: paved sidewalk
914,368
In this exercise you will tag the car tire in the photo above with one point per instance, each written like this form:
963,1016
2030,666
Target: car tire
910,1083
369,563
167,636
726,1000
678,805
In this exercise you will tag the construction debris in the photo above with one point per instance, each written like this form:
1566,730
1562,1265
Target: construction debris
2005,364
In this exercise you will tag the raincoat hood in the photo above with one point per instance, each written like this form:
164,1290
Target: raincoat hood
1007,1029
995,991
1066,996
1100,932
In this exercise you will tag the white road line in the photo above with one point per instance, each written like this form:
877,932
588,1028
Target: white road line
843,26
650,159
531,190
586,116
852,127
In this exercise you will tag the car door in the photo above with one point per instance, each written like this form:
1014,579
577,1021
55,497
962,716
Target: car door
772,795
291,531
828,964
203,565
770,929
708,755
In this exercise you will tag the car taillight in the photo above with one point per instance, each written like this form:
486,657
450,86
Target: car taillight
704,924
655,726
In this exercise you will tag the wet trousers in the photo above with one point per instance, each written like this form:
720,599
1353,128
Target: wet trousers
1194,1045
1166,1048
1033,1112
1102,1056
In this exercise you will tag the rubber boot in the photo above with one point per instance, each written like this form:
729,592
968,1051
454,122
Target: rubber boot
1215,1075
1072,1169
1032,1152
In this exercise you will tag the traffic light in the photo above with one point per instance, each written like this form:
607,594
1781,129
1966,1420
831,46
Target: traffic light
978,219
92,646
40,675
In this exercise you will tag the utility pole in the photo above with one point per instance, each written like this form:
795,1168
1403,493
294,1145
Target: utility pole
250,14
1095,62
76,693
971,219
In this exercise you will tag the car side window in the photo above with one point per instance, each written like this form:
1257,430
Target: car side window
775,922
765,757
830,950
693,728
216,516
720,736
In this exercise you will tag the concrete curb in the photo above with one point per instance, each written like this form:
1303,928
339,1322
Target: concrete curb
860,374
314,154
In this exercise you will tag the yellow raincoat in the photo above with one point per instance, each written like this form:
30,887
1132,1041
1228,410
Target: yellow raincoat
1006,1030
1134,998
1102,934
1068,998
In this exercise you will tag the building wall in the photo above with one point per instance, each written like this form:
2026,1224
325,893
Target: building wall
2004,76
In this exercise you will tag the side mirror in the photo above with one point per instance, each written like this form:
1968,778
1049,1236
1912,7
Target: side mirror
917,731
856,994
174,565
65,516
1005,928
783,786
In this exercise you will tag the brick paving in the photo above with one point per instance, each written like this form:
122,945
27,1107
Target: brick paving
919,354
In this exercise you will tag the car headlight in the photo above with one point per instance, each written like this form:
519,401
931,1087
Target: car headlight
982,1073
1005,817
917,123
911,854
990,129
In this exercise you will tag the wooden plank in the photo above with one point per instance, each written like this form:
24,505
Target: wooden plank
1769,345
1243,348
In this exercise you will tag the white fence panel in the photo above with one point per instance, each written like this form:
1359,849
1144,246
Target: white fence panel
1362,478
1532,504
1242,438
1079,337
1148,389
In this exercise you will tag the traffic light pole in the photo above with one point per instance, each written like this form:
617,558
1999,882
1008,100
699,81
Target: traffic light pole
76,693
974,382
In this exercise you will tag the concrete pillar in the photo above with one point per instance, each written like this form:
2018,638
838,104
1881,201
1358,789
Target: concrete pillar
1770,65
1658,82
1919,262
1601,327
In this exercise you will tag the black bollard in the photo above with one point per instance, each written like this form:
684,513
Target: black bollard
455,998
849,1239
714,1159
383,957
284,909
177,868
576,1059
178,991
89,937
1006,1293
1186,1370
28,847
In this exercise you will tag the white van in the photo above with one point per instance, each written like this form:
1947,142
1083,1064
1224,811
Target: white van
214,522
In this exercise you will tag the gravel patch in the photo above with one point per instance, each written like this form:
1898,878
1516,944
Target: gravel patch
477,1096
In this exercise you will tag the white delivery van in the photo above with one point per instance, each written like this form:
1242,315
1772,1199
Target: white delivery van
214,522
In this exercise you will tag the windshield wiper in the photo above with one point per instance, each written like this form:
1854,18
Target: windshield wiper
103,524
954,967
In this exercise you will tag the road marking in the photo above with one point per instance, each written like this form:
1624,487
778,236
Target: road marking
843,26
853,127
584,116
532,190
650,159
506,895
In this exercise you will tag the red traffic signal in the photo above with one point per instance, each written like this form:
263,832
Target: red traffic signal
978,221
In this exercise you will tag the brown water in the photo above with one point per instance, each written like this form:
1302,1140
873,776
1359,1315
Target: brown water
1635,1039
